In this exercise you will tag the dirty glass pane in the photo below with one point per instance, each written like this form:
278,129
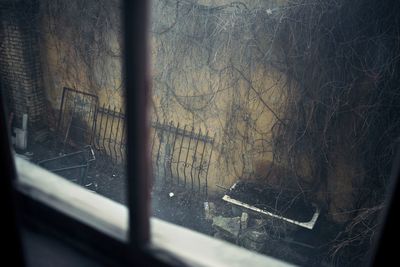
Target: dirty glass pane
274,123
60,64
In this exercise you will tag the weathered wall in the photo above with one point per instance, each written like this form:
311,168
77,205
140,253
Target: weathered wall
234,102
208,72
20,69
82,47
212,68
82,44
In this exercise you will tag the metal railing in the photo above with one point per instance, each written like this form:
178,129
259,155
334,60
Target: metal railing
77,117
181,155
110,133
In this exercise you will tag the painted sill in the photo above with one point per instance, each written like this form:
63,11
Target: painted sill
111,218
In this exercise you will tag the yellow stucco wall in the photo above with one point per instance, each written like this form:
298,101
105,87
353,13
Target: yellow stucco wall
235,107
240,143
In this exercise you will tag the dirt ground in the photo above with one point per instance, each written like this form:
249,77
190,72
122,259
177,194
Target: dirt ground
109,179
174,204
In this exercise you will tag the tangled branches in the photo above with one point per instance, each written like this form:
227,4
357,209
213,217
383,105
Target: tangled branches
342,118
83,41
209,65
333,105
337,118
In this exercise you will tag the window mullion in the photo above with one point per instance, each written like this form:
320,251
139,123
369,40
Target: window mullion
135,75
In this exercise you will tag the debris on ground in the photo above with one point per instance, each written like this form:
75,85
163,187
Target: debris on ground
244,220
227,227
209,210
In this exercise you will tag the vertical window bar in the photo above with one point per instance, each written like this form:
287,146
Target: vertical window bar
10,233
135,19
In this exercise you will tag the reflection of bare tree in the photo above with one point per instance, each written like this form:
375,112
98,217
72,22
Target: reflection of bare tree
341,112
83,41
206,58
336,117
331,96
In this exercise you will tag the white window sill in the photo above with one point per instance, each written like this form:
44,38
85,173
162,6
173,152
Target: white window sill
111,218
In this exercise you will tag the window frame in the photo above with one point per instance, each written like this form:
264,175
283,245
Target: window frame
135,71
97,243
31,212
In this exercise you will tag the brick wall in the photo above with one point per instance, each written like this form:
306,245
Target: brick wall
20,69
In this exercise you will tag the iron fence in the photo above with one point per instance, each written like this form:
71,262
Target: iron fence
77,117
181,155
110,133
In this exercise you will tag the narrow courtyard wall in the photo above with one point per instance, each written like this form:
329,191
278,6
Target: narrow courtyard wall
231,101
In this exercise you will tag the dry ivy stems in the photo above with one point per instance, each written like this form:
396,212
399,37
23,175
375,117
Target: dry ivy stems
339,63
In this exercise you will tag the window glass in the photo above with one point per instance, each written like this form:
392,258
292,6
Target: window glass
274,123
273,126
60,65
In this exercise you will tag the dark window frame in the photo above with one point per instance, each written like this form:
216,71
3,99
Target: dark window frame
34,214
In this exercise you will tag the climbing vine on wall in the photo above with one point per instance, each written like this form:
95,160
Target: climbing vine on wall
83,40
314,84
212,60
336,120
